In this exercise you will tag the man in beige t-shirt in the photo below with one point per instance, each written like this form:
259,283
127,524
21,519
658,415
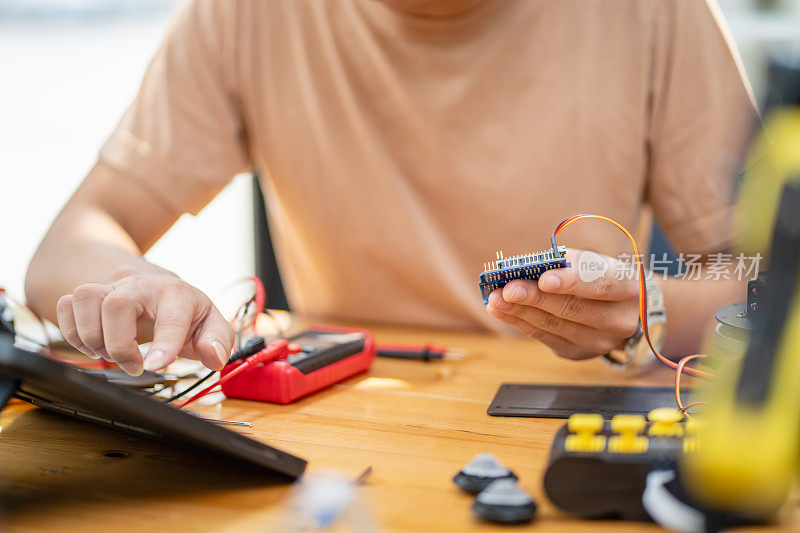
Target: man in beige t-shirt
401,143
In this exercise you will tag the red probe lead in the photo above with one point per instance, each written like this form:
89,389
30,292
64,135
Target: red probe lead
277,349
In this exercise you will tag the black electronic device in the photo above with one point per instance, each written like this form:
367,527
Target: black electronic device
496,274
61,389
599,469
561,401
736,322
320,348
755,296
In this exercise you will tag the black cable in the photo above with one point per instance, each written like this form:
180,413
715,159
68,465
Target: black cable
190,388
252,347
421,355
241,326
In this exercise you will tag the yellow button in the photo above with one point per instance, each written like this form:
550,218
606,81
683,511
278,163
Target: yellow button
665,422
585,438
583,423
629,428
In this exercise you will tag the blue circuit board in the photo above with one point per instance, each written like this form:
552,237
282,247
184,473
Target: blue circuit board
496,274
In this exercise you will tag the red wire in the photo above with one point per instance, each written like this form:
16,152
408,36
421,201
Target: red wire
642,288
261,294
277,349
260,299
219,382
101,364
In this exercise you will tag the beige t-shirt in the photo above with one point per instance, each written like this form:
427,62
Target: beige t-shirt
399,151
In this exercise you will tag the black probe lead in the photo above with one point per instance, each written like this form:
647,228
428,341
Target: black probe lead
251,347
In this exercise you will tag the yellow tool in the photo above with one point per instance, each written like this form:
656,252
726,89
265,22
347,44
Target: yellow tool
693,428
749,451
774,158
751,444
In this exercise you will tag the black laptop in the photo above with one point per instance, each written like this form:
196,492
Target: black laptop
62,389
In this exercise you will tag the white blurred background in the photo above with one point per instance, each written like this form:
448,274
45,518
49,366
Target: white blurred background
68,69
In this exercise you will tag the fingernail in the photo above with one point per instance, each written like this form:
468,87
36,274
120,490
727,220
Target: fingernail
220,351
155,360
495,300
131,367
549,283
517,294
87,352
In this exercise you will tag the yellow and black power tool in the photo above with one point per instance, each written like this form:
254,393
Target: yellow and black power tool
750,445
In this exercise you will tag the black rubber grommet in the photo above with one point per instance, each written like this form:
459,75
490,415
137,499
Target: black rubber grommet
475,484
505,514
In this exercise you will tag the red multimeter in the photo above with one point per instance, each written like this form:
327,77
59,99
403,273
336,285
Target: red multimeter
327,355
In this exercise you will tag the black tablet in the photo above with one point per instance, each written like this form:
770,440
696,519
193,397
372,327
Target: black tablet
60,388
561,401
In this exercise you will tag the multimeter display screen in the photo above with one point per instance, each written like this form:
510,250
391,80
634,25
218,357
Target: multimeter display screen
322,348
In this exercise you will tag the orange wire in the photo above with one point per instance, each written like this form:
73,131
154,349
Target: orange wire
678,372
642,288
688,406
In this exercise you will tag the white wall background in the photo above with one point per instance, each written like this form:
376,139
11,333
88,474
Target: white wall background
68,68
63,86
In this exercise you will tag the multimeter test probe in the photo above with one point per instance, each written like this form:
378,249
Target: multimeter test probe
314,360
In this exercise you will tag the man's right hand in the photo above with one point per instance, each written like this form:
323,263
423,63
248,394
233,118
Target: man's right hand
110,321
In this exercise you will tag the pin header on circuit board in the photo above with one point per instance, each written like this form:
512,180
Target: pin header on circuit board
496,274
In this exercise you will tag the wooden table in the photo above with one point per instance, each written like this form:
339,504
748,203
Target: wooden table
416,424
